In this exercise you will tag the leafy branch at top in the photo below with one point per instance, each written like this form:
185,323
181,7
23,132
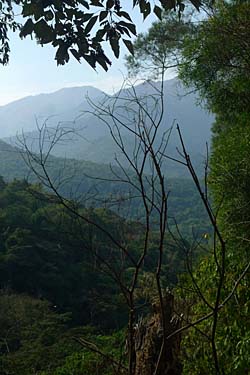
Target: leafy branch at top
78,28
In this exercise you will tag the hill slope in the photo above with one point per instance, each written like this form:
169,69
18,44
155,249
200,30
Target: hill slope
79,180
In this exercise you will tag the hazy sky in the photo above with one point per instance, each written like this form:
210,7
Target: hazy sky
32,69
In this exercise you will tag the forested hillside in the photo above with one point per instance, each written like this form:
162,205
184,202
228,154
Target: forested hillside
220,71
53,281
92,184
130,268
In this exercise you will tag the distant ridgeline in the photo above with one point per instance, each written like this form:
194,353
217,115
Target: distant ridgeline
91,184
90,139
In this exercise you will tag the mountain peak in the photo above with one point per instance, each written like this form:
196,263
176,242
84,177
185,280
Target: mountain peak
64,104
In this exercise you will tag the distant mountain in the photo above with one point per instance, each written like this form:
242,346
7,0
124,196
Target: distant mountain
62,105
71,176
92,139
78,179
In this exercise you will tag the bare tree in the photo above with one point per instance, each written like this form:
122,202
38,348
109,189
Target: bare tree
134,121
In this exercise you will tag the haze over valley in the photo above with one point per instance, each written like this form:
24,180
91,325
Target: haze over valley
86,136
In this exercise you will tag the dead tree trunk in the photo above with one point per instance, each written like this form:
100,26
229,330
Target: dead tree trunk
151,358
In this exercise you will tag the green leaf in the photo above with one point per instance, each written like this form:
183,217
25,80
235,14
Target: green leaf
90,24
129,45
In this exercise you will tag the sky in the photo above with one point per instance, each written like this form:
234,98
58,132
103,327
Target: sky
33,70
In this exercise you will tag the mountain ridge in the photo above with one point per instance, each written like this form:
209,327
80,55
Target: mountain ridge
93,185
21,115
90,140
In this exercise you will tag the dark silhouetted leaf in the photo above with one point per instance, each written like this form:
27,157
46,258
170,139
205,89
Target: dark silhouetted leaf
87,16
90,24
168,4
62,55
146,10
101,61
91,60
196,3
28,9
125,15
103,15
110,4
114,42
43,31
158,12
27,28
75,54
129,45
130,26
49,15
96,3
84,3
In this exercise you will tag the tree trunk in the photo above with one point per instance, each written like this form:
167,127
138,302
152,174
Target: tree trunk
150,354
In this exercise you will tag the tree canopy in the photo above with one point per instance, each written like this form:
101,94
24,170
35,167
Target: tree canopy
78,28
214,60
216,63
160,47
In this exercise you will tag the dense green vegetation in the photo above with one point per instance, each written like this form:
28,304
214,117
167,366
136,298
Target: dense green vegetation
35,339
214,60
46,253
78,277
79,180
54,287
220,71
